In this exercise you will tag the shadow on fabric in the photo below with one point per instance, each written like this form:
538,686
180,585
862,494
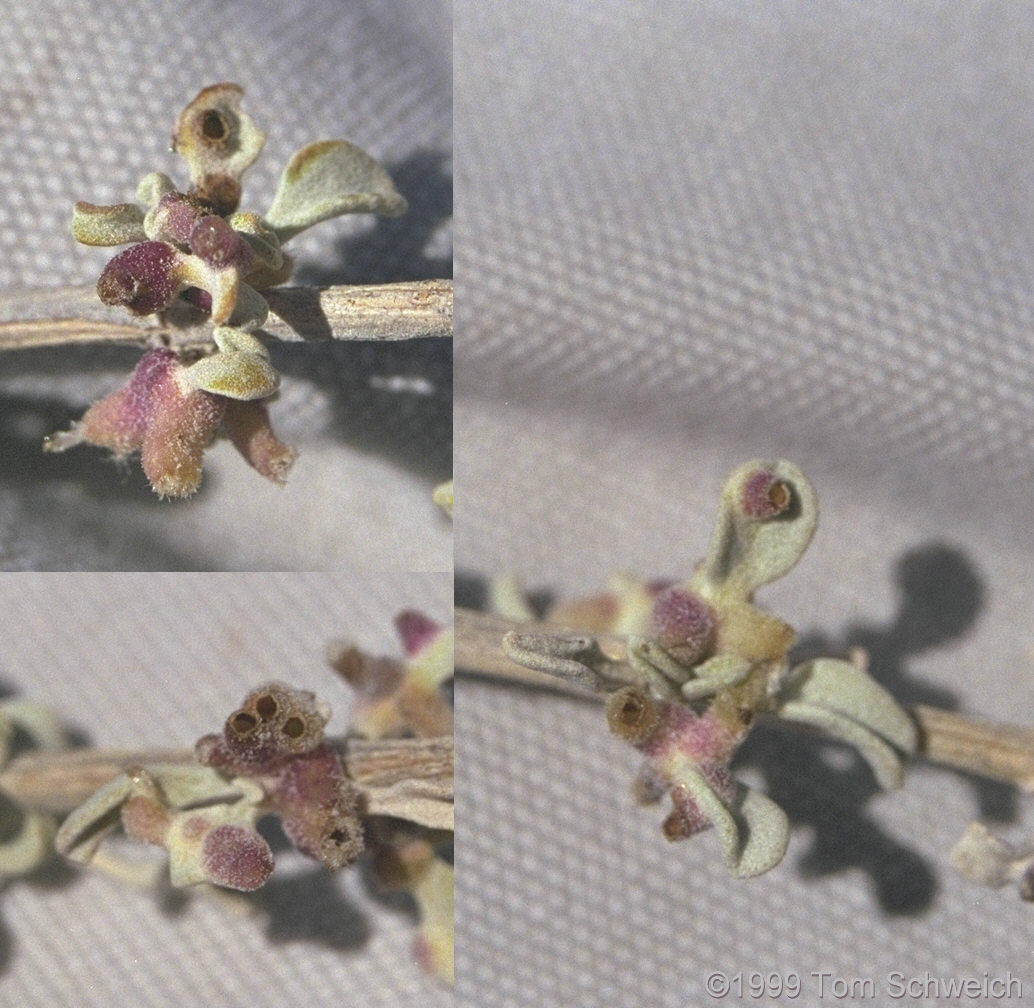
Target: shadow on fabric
826,789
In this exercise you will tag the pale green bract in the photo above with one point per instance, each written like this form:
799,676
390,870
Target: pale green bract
28,834
181,786
327,179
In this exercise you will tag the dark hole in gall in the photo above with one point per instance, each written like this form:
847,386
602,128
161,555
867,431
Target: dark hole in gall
266,707
633,711
215,126
294,727
242,723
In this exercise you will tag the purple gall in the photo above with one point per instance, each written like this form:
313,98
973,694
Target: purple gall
143,278
162,414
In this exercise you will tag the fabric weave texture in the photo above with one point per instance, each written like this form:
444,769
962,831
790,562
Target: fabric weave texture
692,235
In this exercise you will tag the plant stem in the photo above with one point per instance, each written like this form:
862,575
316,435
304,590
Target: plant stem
478,650
1000,752
404,778
995,751
68,315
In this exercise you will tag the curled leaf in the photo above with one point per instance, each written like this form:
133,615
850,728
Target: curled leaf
250,310
152,187
240,370
265,245
328,179
717,673
767,519
849,704
753,830
578,659
84,828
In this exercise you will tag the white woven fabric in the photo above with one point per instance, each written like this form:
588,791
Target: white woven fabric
87,106
694,234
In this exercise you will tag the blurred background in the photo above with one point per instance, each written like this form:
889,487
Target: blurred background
87,108
691,235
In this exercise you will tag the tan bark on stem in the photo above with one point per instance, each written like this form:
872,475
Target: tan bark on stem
1000,752
957,741
68,315
406,778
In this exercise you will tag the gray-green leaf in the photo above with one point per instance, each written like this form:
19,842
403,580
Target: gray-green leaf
848,703
179,784
746,553
108,225
328,179
754,833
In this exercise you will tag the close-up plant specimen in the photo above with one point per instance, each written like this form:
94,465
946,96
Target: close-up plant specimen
688,669
706,663
197,248
382,794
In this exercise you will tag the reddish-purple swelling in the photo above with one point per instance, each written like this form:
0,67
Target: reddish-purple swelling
141,278
318,806
416,630
216,243
683,624
764,495
236,857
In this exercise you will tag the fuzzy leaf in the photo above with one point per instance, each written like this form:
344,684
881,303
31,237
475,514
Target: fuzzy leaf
885,761
83,829
750,547
264,243
236,376
152,187
251,309
328,179
575,658
108,225
753,834
240,370
842,688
